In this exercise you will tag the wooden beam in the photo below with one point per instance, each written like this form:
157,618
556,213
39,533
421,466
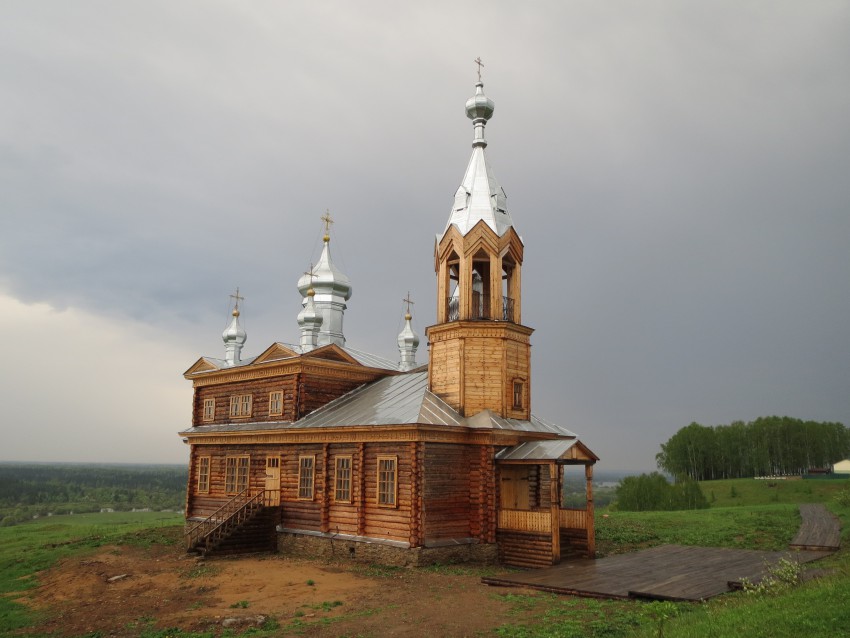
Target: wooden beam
591,531
361,489
324,526
556,513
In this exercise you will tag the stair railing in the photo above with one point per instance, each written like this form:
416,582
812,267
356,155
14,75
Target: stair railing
225,519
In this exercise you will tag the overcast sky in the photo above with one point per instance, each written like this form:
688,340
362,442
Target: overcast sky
678,171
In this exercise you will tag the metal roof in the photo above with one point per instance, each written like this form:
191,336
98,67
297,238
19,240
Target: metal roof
537,450
393,400
363,358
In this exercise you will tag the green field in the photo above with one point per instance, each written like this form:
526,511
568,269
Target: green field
744,513
31,547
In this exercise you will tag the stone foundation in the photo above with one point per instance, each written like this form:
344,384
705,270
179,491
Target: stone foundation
382,552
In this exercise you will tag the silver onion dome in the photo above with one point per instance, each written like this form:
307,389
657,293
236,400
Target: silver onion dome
234,337
327,279
309,323
332,289
408,342
479,105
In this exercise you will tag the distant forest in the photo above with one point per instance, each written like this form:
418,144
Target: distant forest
767,446
33,490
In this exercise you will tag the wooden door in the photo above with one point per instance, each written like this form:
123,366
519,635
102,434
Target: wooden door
514,492
272,481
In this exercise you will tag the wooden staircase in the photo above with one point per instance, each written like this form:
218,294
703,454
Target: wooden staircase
244,524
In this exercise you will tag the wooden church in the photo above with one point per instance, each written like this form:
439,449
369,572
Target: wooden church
320,449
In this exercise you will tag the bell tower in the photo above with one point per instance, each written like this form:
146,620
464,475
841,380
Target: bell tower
480,352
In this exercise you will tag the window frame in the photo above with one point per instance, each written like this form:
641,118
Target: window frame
306,477
387,486
208,413
518,392
202,485
237,473
240,405
276,398
343,479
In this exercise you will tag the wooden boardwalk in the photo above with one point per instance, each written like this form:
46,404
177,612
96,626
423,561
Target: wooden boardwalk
819,531
676,572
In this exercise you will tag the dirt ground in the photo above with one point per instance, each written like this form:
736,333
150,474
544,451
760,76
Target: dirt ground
124,590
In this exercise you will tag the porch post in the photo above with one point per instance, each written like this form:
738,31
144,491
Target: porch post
555,500
591,533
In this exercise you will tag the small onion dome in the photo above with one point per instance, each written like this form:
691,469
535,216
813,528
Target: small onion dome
408,341
327,279
308,315
234,332
479,105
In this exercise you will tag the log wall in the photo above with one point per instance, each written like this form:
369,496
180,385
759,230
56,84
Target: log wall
203,505
342,518
484,383
525,549
444,370
302,393
315,390
362,516
392,523
447,490
259,390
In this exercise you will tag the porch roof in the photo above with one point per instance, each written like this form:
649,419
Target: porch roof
558,450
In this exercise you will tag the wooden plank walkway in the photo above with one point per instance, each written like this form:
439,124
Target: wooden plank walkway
677,572
668,572
819,531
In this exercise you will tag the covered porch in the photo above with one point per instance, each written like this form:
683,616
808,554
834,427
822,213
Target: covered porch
534,528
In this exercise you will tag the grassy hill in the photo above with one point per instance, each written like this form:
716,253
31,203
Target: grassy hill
745,513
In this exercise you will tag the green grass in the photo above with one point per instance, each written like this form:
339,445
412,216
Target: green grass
815,608
765,492
768,527
31,547
570,617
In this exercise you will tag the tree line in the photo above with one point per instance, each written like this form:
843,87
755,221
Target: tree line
767,446
31,490
652,493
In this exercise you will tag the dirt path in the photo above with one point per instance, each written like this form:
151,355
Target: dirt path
123,590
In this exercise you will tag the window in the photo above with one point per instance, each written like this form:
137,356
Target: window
203,474
306,465
518,387
275,403
387,484
240,405
342,479
209,409
236,474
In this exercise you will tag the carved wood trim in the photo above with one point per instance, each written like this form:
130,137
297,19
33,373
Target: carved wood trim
414,433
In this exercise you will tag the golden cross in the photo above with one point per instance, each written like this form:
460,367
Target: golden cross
237,298
408,301
328,221
310,274
480,64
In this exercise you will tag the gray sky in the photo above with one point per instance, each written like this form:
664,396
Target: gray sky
679,173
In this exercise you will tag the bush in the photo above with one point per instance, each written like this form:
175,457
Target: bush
652,492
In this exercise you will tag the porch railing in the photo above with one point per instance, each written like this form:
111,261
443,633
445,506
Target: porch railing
525,520
573,518
541,521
